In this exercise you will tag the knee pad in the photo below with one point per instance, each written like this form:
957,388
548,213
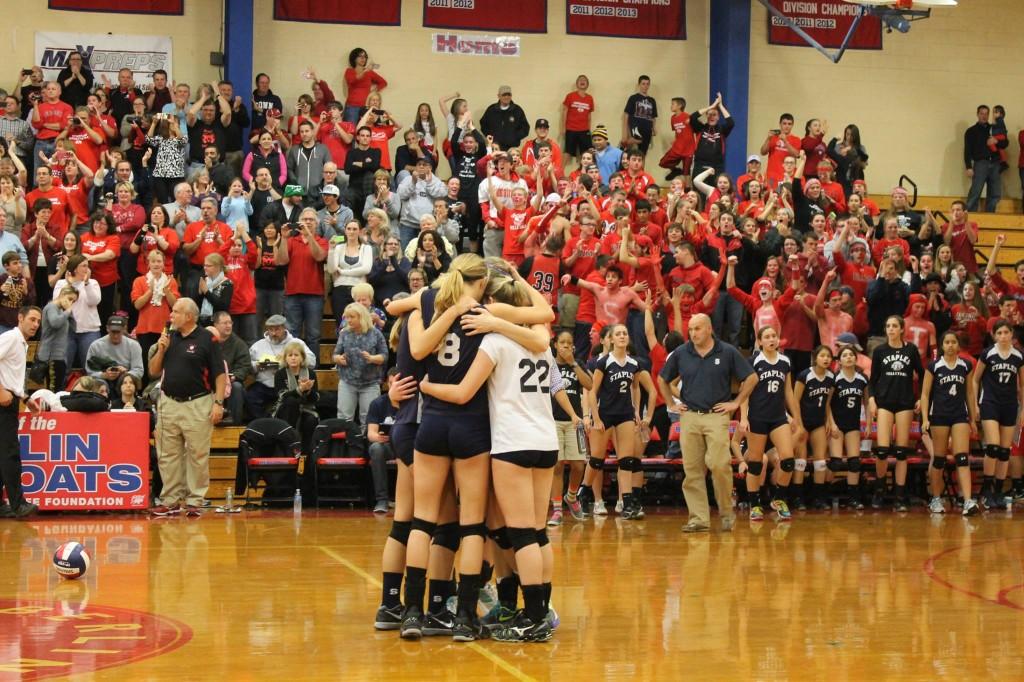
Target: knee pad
788,465
473,529
992,451
902,453
853,465
835,465
447,536
400,531
754,468
522,537
427,527
938,462
1004,455
820,465
799,465
880,452
596,463
500,537
962,460
542,536
629,464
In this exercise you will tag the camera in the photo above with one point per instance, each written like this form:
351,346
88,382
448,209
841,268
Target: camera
132,120
35,97
377,112
76,121
26,72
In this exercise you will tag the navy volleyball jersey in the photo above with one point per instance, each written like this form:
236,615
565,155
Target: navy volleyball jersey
573,390
450,364
949,388
768,400
614,395
407,365
999,382
812,402
848,399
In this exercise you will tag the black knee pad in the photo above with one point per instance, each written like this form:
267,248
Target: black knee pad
629,464
427,527
596,463
938,462
902,454
522,537
400,531
788,465
881,452
835,465
500,537
1004,455
992,451
447,536
754,468
542,536
473,529
962,460
853,465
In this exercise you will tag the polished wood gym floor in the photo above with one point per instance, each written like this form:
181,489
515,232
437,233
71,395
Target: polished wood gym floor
261,595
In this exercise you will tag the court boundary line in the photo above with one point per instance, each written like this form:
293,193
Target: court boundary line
930,569
472,646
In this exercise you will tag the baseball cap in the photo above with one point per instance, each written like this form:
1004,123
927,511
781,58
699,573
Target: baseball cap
849,339
424,160
331,189
542,123
600,130
294,191
275,321
753,157
504,90
117,322
553,198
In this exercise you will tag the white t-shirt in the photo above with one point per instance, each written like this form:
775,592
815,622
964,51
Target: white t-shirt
518,393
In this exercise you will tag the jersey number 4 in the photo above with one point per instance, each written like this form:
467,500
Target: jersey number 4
527,381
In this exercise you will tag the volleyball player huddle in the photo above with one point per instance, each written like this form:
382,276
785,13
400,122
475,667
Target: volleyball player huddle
481,425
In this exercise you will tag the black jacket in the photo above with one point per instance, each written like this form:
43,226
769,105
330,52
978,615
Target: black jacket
884,299
508,127
976,145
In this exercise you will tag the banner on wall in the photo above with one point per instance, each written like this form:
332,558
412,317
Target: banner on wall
475,45
657,19
73,460
105,54
523,16
827,21
377,12
122,6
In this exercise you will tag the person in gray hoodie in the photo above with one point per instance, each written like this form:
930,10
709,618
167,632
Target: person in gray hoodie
417,193
265,355
306,160
57,325
118,348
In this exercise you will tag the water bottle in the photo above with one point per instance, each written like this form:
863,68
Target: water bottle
229,498
297,502
581,439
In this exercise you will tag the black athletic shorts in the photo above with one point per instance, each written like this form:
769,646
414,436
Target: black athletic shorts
763,428
529,459
453,436
895,407
947,420
403,440
612,420
577,142
1004,413
846,427
811,426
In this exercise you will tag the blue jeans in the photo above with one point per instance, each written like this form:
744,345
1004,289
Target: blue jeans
637,334
78,346
408,234
727,318
351,114
581,341
304,312
985,173
352,398
45,146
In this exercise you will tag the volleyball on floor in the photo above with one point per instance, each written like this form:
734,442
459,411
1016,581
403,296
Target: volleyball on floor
71,560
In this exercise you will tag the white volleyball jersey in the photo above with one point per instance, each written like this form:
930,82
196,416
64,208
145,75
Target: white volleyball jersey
519,396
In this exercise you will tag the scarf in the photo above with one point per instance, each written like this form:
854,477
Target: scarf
157,285
293,379
211,285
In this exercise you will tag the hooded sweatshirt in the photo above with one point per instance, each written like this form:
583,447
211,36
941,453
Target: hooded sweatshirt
266,348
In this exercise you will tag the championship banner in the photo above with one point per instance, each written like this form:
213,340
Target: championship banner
378,12
475,44
121,6
827,21
524,16
74,460
105,54
658,19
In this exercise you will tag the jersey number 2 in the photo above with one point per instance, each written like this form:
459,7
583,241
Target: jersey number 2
531,368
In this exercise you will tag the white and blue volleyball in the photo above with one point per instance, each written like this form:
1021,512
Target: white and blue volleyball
71,560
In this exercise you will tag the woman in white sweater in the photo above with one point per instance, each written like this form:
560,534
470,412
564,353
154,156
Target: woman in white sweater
349,261
84,311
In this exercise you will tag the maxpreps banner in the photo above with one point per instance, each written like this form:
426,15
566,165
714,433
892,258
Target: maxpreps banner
73,460
664,19
827,21
105,54
522,16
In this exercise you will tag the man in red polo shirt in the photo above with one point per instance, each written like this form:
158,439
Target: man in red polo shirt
87,140
961,234
45,190
304,253
203,237
49,117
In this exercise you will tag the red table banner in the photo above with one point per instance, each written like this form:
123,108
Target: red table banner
74,460
827,21
378,12
122,6
660,19
524,16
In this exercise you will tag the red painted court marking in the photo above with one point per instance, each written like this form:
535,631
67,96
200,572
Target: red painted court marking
1001,599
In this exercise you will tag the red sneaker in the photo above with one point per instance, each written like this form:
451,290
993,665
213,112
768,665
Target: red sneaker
193,512
163,511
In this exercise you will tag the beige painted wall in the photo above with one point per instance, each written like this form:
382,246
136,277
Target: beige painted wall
540,78
195,34
912,101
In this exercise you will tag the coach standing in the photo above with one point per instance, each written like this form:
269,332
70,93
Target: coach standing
189,362
706,368
13,354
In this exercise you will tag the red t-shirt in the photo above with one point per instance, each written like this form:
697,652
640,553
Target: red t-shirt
359,86
87,151
239,269
587,311
657,356
698,276
857,277
544,276
578,109
636,185
777,152
584,264
209,244
57,197
129,220
379,136
685,142
968,321
305,273
329,136
57,112
152,318
798,329
77,200
149,244
963,250
515,222
104,273
816,151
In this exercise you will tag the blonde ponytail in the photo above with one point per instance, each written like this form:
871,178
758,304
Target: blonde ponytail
467,267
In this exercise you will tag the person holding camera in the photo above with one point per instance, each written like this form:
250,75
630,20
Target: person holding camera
115,354
418,192
49,117
28,87
133,126
156,235
86,140
390,272
265,356
169,167
304,253
383,127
